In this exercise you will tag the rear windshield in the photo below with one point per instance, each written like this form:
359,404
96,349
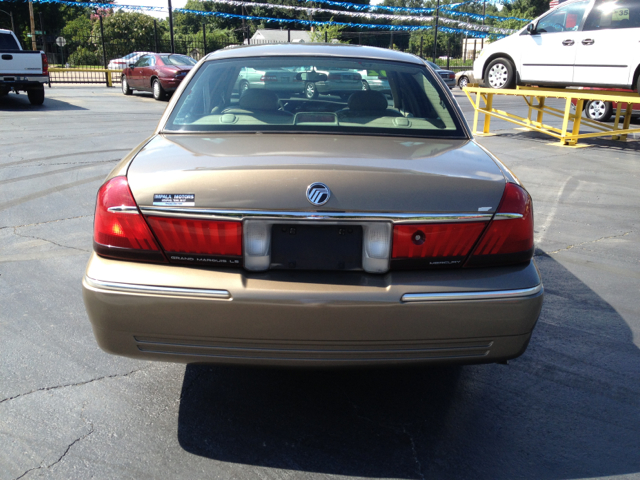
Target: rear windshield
178,60
316,94
7,42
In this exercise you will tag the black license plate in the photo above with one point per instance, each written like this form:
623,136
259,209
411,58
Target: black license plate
311,247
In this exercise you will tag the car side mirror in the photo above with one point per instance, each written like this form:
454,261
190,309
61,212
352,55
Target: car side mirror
132,65
531,28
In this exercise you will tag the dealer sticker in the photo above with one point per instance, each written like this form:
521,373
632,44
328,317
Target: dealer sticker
174,199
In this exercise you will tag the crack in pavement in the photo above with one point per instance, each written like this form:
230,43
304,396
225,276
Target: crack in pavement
49,241
64,454
58,387
44,223
569,247
415,452
393,427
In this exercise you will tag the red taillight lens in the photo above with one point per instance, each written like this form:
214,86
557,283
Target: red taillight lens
509,237
45,64
119,231
202,237
334,76
433,245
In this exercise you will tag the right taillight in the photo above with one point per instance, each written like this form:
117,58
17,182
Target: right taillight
509,237
45,64
119,231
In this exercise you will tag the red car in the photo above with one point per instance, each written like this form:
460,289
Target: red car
160,73
603,111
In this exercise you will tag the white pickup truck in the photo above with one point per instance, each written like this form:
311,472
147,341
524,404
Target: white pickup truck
22,69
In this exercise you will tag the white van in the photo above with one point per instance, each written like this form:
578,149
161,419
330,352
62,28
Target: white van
580,42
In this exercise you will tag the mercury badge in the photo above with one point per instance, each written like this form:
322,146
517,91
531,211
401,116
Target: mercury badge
318,194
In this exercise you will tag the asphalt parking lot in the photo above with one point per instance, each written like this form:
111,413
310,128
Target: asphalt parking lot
568,408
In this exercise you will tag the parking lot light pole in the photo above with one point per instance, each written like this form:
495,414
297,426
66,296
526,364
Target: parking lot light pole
173,48
13,28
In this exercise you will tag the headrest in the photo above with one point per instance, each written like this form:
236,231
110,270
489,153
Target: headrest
368,101
257,99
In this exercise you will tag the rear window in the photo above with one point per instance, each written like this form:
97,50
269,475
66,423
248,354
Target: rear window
7,42
315,94
178,60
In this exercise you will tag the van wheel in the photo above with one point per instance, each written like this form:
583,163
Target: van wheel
36,95
500,74
463,81
598,110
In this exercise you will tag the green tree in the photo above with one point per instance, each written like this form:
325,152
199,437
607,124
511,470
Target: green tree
329,32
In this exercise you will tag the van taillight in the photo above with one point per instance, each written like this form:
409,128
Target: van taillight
509,237
45,64
433,245
119,230
201,237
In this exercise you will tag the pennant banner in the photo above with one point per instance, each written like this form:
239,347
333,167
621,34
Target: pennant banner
470,30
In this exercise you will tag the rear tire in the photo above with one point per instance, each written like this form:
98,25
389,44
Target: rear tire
36,95
638,85
463,82
598,110
310,90
158,91
500,74
365,85
125,86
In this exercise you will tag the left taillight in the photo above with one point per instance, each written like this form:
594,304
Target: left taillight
119,230
45,64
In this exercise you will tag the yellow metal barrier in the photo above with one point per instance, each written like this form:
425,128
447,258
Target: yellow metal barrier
536,97
107,71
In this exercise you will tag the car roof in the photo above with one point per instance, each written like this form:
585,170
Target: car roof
314,49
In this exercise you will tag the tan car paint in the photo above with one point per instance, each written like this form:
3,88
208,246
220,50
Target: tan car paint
364,173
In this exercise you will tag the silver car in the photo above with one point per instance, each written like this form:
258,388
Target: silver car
448,77
280,80
255,230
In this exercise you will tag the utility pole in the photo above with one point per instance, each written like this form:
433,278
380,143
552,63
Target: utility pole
33,27
173,48
435,34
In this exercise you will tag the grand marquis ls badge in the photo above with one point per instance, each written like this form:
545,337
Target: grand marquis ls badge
318,193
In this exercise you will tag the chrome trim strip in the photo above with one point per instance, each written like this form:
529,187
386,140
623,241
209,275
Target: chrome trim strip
463,296
123,209
155,290
507,216
240,215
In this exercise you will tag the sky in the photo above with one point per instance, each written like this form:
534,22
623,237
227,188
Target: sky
174,4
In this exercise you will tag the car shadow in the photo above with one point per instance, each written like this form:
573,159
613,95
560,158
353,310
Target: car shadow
20,103
568,408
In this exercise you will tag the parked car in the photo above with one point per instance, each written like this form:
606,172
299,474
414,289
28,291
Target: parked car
448,77
337,81
464,78
22,70
279,80
372,80
578,43
160,73
256,230
603,111
123,62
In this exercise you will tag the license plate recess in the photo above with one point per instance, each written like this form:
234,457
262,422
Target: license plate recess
316,247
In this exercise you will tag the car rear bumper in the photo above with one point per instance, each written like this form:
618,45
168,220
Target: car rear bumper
183,314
